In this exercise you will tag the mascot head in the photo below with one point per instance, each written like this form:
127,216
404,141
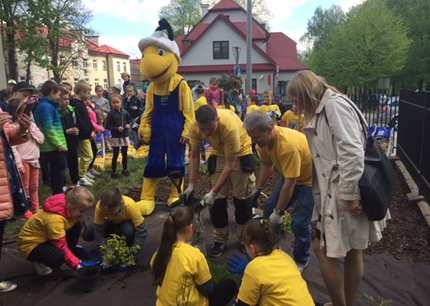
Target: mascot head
160,54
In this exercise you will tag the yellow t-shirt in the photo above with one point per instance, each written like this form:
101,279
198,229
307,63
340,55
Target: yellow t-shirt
290,155
200,102
274,280
252,108
42,227
186,269
272,110
293,120
229,139
130,212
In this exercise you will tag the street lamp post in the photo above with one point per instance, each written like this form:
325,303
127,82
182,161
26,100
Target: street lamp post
236,54
248,86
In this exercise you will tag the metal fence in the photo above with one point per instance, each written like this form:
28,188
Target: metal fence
379,106
414,133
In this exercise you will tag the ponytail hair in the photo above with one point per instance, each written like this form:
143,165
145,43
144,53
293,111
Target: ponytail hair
175,224
260,233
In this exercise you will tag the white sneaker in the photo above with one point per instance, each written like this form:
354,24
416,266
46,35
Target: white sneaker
84,181
6,286
94,172
90,175
41,269
89,179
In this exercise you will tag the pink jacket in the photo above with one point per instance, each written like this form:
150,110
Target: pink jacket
57,204
93,118
11,131
29,151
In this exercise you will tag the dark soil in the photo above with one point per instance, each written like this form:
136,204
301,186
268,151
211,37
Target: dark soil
407,235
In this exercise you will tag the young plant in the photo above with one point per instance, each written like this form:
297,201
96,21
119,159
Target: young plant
286,223
116,253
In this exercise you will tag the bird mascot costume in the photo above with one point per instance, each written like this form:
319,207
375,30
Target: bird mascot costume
168,115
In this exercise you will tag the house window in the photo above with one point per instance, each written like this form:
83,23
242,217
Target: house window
104,66
85,64
118,66
95,64
106,84
96,82
124,67
254,84
220,49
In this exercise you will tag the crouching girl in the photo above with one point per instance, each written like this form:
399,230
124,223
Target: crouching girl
271,277
181,271
50,237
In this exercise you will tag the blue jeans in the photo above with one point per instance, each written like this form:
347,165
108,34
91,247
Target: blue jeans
302,214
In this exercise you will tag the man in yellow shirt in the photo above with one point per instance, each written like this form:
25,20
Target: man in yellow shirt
231,169
292,119
288,152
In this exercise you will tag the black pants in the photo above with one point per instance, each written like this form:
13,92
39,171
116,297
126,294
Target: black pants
49,255
94,149
2,226
44,168
124,229
124,150
224,291
73,163
219,213
57,169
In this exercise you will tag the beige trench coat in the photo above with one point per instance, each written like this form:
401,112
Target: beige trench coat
337,142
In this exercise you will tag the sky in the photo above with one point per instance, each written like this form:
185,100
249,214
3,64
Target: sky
122,23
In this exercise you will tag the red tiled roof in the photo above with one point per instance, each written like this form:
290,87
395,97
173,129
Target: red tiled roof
223,68
257,32
197,31
284,52
224,5
111,50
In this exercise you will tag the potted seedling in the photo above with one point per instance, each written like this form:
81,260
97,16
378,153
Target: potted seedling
117,254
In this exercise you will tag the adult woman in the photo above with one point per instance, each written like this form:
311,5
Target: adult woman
15,133
337,141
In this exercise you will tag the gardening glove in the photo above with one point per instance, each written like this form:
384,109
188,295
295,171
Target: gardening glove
88,264
209,199
187,192
237,263
275,218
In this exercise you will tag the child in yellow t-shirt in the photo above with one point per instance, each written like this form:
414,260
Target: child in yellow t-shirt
181,271
50,237
253,105
271,278
201,98
271,109
292,119
120,215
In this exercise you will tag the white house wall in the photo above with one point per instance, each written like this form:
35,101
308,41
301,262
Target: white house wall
202,54
285,76
235,16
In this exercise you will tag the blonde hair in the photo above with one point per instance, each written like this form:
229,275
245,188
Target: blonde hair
79,197
82,86
307,89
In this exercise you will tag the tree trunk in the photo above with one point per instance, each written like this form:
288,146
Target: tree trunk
28,71
11,51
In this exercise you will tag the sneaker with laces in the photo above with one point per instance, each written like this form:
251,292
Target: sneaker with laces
94,172
216,250
125,172
89,179
84,181
6,286
90,175
41,269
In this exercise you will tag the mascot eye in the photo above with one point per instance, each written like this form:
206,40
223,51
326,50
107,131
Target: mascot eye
161,52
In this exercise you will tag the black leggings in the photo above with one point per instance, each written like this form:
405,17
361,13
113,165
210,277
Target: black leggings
49,255
223,292
124,150
94,149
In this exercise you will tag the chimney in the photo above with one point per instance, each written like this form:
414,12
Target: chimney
204,7
94,39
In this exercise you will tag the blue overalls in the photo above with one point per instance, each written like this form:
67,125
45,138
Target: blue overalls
167,127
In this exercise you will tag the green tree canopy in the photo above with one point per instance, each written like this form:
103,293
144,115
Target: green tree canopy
182,15
372,44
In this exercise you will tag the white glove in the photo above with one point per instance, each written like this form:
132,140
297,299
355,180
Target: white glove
209,199
275,218
187,192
